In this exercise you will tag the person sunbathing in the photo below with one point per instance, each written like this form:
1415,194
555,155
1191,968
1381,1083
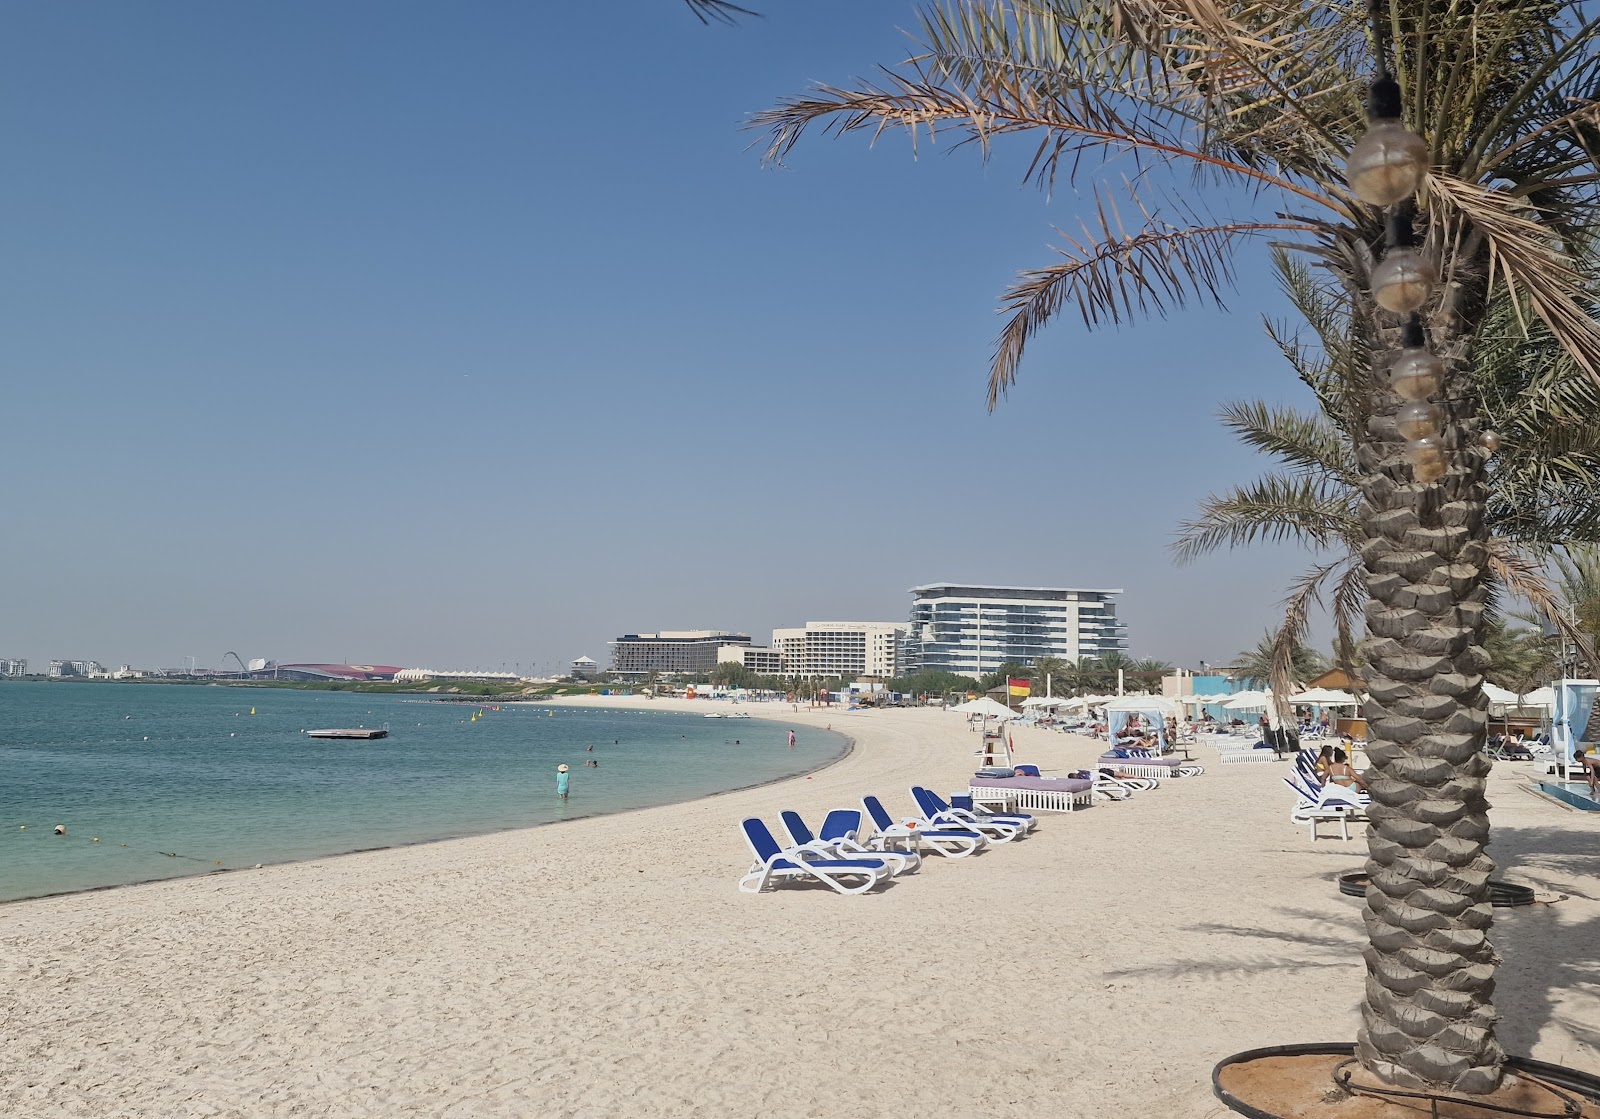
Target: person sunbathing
1341,772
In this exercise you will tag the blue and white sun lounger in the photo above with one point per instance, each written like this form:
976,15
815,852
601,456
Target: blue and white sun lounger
840,842
952,843
774,865
1316,802
999,828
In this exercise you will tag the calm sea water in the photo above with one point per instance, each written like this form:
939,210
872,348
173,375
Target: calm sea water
177,780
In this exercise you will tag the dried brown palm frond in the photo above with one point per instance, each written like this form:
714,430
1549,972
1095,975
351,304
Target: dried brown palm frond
1349,593
1524,256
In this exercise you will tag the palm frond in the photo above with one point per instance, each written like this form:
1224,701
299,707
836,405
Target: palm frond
1524,576
1304,593
1274,509
1524,258
718,11
1308,443
1081,121
1111,274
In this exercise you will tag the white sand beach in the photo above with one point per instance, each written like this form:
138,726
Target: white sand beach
609,967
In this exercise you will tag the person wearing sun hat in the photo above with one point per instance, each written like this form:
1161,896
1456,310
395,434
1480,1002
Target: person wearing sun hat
562,777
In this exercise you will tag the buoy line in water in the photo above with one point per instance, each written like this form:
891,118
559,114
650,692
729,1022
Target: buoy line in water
60,832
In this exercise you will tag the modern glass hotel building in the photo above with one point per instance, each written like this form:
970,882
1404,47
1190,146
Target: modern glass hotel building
960,627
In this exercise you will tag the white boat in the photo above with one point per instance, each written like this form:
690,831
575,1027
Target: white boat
716,715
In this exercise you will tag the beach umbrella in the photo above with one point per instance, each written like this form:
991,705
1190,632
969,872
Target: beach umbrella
1042,701
1497,695
985,706
1542,697
1325,697
1248,701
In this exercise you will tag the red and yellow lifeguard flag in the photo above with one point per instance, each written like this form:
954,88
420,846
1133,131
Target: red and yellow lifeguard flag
1019,687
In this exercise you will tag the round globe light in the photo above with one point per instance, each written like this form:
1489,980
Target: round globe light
1416,374
1403,280
1419,420
1489,441
1429,472
1427,458
1387,164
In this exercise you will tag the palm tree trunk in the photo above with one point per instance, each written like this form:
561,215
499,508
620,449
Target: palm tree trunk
1428,1019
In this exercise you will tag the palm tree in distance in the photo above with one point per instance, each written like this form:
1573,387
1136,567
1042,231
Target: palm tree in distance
1265,96
1254,667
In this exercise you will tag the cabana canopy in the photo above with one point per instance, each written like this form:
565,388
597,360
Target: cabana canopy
1144,705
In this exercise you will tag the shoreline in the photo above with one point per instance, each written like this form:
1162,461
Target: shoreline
1100,967
845,751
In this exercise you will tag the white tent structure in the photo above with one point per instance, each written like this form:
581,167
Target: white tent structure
1574,700
1547,697
1498,696
1156,709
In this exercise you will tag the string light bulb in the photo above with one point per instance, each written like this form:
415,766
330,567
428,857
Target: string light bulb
1489,441
1416,374
1419,420
1427,458
1403,280
1387,164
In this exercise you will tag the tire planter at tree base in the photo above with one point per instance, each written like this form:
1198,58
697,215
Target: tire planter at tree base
1582,1086
1501,894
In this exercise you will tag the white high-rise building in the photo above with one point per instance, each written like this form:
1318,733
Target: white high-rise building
848,649
973,629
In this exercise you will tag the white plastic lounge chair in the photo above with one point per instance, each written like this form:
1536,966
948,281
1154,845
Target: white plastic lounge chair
774,865
842,845
1317,804
843,827
999,828
952,843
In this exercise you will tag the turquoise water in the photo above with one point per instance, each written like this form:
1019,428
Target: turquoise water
178,780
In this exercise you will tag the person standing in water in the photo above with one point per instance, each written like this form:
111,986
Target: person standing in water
562,778
791,740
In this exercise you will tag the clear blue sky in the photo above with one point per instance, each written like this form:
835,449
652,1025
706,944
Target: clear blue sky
476,335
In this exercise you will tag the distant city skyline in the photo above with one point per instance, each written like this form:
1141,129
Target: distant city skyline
390,362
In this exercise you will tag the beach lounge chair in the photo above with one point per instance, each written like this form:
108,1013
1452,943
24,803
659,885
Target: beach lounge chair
774,865
1134,762
952,843
843,845
843,827
984,812
998,829
1317,803
1028,789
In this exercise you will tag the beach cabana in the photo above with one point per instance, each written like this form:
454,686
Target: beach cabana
1156,709
1574,699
